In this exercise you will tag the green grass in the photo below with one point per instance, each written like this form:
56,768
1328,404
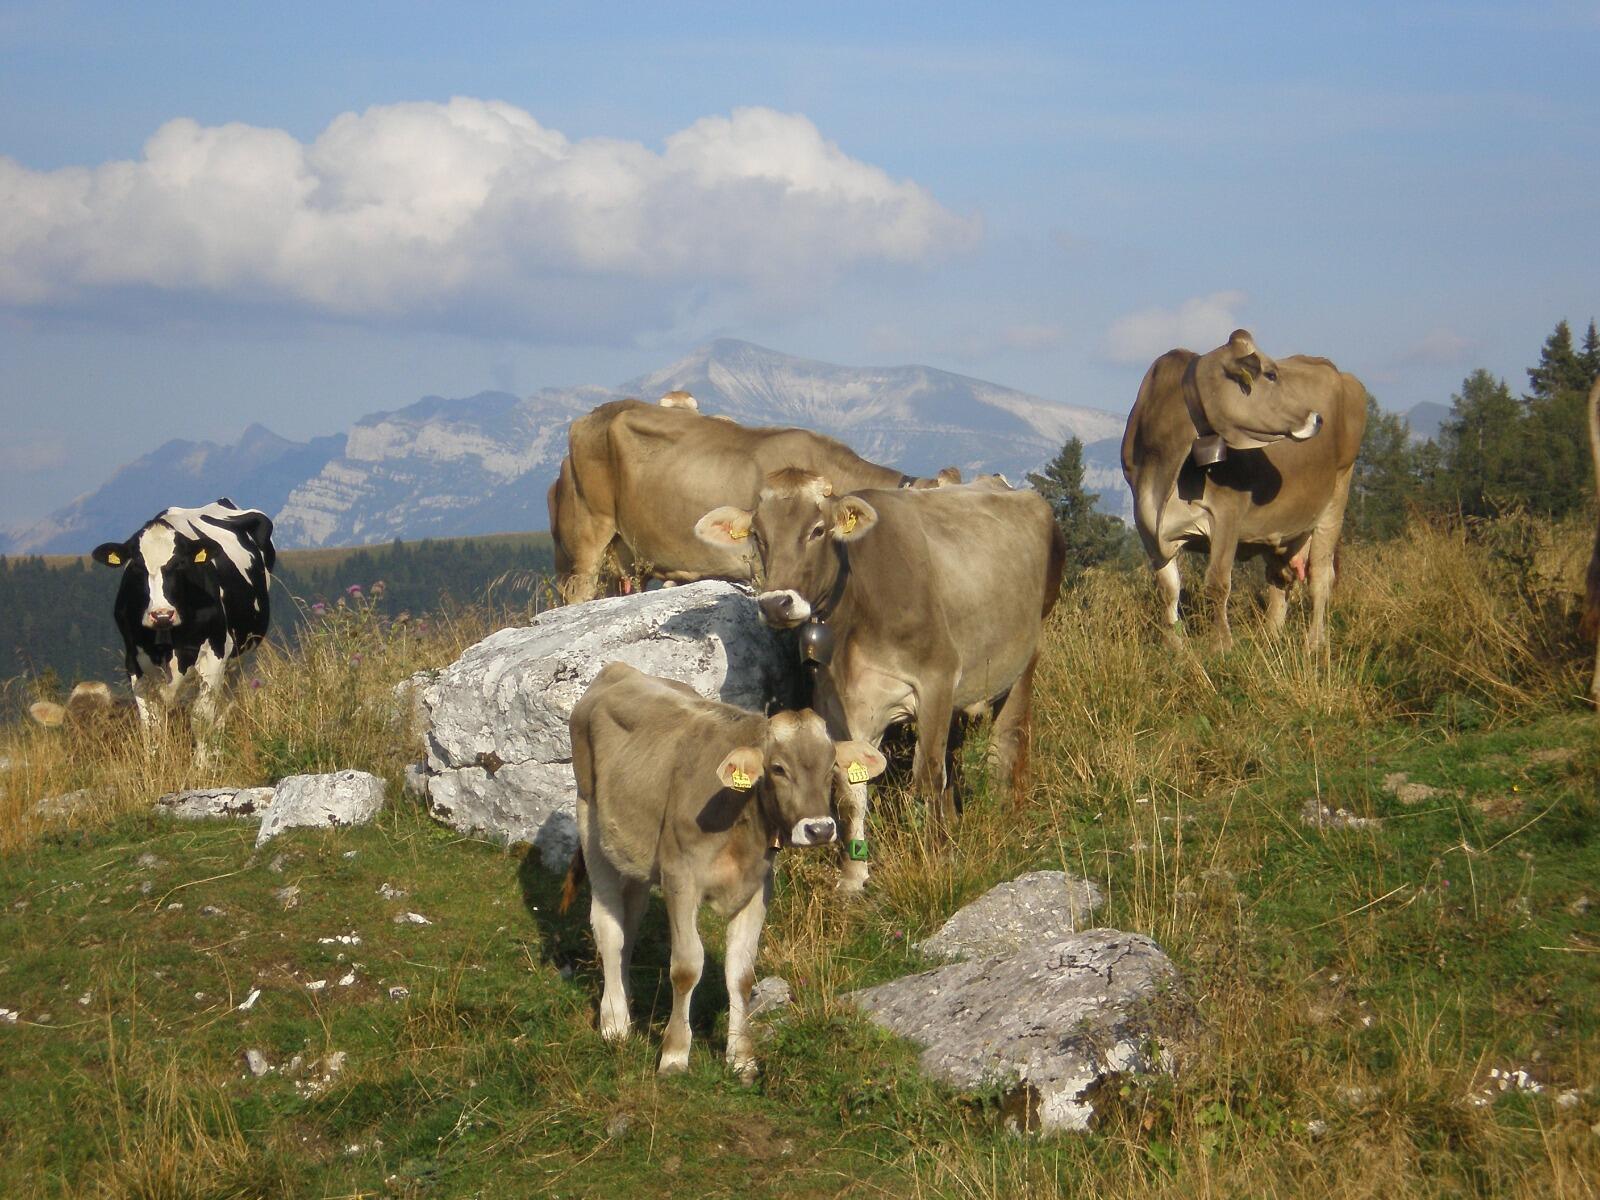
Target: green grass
1354,987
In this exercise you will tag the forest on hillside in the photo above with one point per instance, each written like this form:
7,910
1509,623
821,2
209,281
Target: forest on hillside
56,626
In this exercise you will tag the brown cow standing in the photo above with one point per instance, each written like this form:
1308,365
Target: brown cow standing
1232,449
637,476
1591,612
933,602
696,796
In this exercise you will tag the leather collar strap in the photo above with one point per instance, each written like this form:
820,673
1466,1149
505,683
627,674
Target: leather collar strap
1208,448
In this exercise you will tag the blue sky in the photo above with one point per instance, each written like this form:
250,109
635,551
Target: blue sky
1042,196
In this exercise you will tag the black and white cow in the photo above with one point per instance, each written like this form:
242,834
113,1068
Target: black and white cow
193,597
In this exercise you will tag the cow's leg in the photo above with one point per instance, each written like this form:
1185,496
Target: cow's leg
607,914
1169,583
1219,583
928,773
205,719
635,899
1008,743
744,938
1319,572
688,960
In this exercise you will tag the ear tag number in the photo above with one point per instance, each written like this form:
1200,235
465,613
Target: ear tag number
856,773
849,522
200,555
858,850
739,781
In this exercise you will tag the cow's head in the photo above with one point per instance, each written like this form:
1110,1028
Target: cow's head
794,532
793,772
1243,396
166,575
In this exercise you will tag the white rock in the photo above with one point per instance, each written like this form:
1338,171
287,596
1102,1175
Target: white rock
1039,907
399,992
202,803
249,1001
347,979
411,918
53,808
769,995
341,939
316,985
9,1015
498,749
257,1062
341,798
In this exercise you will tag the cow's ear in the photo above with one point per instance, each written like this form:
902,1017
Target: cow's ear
740,770
112,554
859,761
47,714
853,517
725,526
224,502
948,477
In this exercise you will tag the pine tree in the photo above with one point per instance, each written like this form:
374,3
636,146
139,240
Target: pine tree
1589,356
1555,433
1384,483
1483,448
1560,368
1092,537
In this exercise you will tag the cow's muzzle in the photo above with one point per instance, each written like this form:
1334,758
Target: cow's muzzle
813,831
783,610
161,618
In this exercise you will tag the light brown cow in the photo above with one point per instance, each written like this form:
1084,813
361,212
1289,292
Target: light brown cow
698,797
1232,449
637,476
1591,610
933,602
91,706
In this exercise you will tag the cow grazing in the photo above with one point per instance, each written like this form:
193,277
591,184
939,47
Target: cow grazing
916,605
1591,610
637,476
695,796
1232,449
194,596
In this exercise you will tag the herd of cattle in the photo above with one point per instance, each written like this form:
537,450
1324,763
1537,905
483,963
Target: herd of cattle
914,600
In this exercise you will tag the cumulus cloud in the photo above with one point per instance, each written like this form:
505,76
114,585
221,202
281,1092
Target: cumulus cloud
415,211
1200,323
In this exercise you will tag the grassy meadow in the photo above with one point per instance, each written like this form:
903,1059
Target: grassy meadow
1363,990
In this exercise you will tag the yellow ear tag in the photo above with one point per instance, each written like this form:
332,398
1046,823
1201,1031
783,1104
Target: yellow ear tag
739,781
200,555
849,521
856,773
738,534
114,558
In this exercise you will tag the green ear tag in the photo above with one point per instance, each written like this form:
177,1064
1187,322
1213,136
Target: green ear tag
856,773
858,850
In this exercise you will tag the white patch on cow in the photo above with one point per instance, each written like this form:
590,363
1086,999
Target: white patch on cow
799,608
198,523
812,831
157,545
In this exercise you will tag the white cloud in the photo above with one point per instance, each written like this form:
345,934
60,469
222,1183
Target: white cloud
422,211
1438,347
1201,323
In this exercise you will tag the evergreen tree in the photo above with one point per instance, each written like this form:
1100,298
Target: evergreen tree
1589,356
1384,483
1554,437
1092,537
1560,368
1483,448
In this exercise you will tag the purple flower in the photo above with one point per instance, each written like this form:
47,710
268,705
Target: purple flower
355,660
353,590
319,608
255,683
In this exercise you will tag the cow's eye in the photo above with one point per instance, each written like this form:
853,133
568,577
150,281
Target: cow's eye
1273,376
814,534
778,772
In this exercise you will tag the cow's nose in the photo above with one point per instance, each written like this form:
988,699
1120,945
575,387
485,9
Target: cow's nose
163,616
814,832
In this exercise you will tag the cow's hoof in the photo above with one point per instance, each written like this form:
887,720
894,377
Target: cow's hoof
614,1031
852,885
673,1064
745,1068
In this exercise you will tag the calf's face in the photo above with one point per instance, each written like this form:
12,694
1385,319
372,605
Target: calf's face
794,532
165,575
793,772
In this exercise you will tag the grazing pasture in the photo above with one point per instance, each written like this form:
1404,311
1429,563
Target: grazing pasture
1377,865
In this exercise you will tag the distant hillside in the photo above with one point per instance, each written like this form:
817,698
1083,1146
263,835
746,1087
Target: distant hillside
55,613
479,465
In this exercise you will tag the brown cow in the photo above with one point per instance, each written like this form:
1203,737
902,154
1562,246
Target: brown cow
637,476
698,797
1224,449
933,602
1591,611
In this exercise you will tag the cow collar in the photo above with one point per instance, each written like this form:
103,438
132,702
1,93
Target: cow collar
816,635
1208,449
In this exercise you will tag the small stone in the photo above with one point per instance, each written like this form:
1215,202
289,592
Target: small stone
619,1124
399,992
389,892
347,979
210,910
341,939
257,1062
1323,817
349,854
288,897
411,918
316,985
1316,1128
1570,1098
86,999
277,864
175,906
769,995
146,887
249,1001
147,861
9,1015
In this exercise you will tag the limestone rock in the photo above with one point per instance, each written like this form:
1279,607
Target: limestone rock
341,798
499,756
200,803
769,995
61,808
1047,1024
1041,906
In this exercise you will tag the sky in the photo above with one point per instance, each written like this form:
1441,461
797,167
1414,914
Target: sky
296,215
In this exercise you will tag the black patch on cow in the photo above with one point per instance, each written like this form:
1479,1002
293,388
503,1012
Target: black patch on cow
1241,471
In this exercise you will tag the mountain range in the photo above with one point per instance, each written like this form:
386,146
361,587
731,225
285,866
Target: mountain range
447,468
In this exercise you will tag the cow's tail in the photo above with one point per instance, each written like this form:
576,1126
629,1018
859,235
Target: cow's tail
577,872
1055,567
1591,608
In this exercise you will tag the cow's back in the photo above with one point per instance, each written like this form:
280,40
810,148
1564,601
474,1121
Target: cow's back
975,566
